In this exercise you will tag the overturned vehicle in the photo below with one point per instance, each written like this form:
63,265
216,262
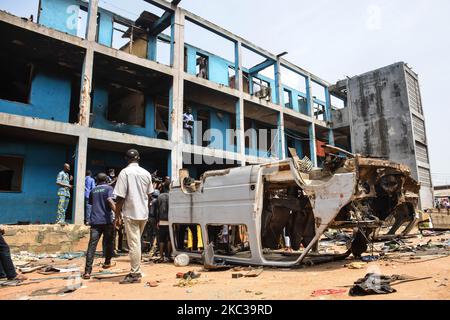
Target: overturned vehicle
244,212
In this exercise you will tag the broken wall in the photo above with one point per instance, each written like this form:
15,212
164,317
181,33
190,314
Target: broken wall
381,120
49,98
47,238
100,115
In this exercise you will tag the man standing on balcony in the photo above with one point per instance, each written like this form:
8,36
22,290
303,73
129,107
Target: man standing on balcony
188,126
133,195
63,181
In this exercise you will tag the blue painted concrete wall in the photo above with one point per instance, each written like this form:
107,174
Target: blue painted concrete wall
59,15
218,67
298,147
105,28
100,121
257,151
38,199
49,99
62,15
296,95
217,122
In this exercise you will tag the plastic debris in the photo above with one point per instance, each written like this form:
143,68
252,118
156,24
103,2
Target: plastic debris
181,260
369,258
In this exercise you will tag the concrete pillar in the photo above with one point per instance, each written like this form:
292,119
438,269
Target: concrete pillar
312,128
281,141
279,94
91,31
88,64
177,95
329,116
80,170
240,115
84,114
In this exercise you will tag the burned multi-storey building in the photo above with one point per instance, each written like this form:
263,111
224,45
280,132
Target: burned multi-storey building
82,82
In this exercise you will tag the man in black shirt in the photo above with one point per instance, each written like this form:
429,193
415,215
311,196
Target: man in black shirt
101,221
150,232
162,220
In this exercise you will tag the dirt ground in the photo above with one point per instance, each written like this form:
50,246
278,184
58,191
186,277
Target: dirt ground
271,284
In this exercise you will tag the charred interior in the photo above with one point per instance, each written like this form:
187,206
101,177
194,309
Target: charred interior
287,213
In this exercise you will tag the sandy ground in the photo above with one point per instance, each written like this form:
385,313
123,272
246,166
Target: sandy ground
273,283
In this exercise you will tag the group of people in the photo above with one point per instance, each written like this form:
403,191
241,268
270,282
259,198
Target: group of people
131,201
443,204
112,204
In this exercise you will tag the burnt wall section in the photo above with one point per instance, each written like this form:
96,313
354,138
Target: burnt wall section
380,117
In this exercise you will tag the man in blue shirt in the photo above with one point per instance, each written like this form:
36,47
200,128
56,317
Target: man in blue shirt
89,184
63,181
101,221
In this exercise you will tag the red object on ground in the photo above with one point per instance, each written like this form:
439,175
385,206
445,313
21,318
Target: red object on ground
180,275
324,292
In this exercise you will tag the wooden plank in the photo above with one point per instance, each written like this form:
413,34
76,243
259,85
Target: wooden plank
253,273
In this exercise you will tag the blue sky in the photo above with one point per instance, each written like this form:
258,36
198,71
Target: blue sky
334,39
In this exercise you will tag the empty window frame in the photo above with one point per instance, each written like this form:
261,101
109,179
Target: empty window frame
126,106
161,115
163,50
287,98
319,112
318,91
119,41
15,83
202,66
11,170
293,79
261,88
188,237
230,240
337,103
